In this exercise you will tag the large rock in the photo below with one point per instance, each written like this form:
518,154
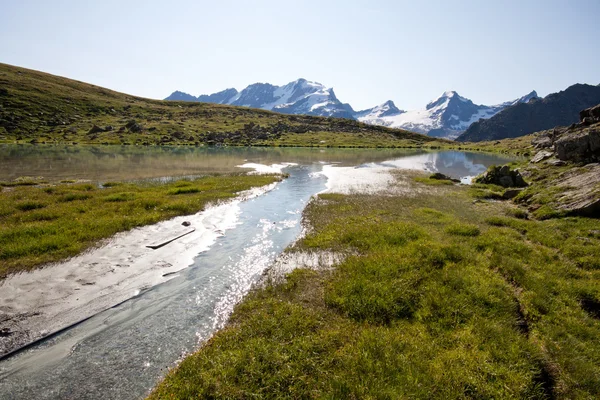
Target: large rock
541,156
503,176
582,191
582,146
592,114
95,129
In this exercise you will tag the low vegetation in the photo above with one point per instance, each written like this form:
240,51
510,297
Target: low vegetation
41,108
41,223
443,294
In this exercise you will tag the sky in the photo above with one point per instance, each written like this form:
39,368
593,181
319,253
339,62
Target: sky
368,51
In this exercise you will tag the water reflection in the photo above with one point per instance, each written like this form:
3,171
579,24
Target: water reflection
457,164
107,163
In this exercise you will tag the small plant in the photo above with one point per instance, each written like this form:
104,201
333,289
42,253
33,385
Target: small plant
517,213
185,190
29,205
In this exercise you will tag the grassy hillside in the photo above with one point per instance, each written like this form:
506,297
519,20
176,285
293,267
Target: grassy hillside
43,108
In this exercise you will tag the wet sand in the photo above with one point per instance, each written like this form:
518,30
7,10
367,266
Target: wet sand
36,304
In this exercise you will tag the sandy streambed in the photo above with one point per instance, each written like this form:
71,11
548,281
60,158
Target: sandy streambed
38,303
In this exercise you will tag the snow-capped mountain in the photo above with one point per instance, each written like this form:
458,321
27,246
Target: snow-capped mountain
298,97
384,110
448,116
224,97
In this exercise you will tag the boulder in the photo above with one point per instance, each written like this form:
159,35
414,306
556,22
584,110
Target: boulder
134,127
502,176
442,177
541,156
583,146
593,113
95,129
581,195
511,193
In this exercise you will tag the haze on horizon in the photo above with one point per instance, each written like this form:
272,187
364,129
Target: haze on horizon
369,52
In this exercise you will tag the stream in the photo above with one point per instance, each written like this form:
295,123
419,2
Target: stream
122,352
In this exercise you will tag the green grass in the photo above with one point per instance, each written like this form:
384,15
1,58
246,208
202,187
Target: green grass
438,297
46,223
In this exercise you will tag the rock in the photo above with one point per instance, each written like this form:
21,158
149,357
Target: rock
587,121
186,223
581,196
543,141
133,126
506,181
442,177
556,163
502,176
511,193
582,146
541,156
593,113
95,129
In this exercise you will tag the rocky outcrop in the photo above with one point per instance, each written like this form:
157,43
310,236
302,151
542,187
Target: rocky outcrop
592,113
579,142
584,146
582,191
95,129
541,156
502,176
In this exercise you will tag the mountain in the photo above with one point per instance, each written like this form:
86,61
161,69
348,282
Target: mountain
36,107
297,97
181,96
447,116
556,109
223,97
384,110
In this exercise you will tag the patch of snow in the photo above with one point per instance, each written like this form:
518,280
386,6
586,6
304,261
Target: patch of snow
266,169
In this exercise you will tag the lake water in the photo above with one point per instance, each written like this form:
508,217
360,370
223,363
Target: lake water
109,163
121,353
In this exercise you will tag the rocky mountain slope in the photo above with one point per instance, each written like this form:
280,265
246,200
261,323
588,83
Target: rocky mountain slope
447,116
297,97
36,107
556,109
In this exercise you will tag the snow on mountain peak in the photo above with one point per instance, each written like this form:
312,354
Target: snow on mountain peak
383,110
447,116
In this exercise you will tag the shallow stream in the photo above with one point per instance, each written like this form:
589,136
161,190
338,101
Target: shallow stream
121,353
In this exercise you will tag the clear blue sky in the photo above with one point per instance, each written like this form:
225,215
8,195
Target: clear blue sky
369,51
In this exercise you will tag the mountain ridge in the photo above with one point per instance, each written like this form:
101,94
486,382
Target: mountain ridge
447,116
520,119
40,108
